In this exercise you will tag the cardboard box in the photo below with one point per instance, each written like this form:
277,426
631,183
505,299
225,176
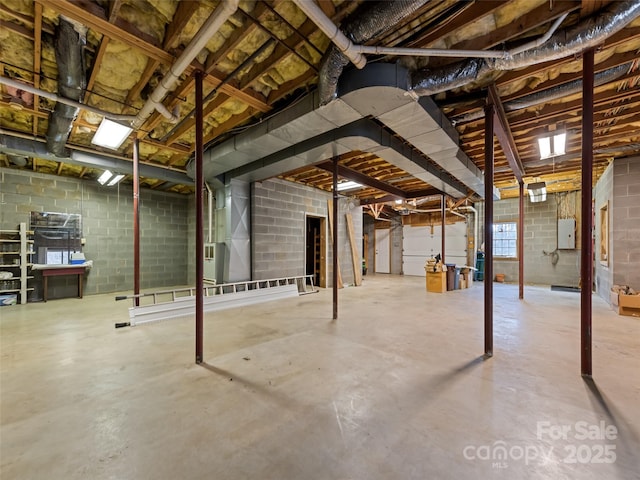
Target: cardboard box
626,304
437,282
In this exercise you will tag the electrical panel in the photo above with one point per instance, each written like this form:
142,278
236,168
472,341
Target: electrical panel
566,233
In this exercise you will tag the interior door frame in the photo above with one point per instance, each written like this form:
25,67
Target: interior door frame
323,247
375,249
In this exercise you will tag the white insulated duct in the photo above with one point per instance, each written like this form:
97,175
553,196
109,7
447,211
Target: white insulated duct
379,91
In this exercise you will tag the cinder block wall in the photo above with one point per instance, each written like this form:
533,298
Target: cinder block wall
603,193
278,213
540,234
107,225
625,222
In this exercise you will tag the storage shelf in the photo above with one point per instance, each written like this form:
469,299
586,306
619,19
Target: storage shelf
16,290
20,240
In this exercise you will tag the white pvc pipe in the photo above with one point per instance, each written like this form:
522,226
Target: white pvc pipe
197,43
429,52
324,23
356,53
67,101
539,41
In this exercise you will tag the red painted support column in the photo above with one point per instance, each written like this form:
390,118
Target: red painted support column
521,242
335,238
199,220
443,207
136,221
586,254
488,230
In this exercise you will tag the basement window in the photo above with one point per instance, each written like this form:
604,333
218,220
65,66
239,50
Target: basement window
505,240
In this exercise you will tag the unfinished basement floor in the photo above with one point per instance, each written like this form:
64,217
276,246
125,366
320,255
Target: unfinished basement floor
395,389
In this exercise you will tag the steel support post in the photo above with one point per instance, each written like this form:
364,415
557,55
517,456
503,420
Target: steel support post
488,229
521,241
335,238
586,254
199,219
136,220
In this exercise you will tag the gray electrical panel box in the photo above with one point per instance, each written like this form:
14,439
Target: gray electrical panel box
566,233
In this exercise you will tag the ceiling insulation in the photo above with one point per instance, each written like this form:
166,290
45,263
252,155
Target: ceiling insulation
131,44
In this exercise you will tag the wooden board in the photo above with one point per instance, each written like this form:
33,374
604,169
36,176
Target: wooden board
355,258
330,205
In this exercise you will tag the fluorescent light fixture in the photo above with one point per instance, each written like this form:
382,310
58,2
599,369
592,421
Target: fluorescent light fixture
104,177
545,147
115,179
552,146
348,186
111,134
110,178
399,201
559,142
537,192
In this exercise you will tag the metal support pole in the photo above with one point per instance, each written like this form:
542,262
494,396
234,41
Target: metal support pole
443,207
586,254
199,220
521,242
136,220
488,229
335,238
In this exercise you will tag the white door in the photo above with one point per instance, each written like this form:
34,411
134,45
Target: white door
382,251
420,243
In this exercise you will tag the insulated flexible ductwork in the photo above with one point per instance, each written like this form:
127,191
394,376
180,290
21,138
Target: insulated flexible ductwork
550,94
587,34
368,21
69,45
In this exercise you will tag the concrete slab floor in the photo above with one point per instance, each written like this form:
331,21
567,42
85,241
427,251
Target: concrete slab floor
395,389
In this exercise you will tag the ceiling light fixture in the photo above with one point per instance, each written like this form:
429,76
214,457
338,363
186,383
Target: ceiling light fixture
111,134
348,186
109,178
552,146
537,192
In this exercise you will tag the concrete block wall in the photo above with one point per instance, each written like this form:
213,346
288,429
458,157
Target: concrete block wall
603,193
624,229
278,216
540,234
107,225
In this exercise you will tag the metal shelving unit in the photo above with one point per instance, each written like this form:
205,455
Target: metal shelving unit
16,250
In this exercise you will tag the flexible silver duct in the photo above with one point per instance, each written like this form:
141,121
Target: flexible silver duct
549,94
369,20
69,46
588,33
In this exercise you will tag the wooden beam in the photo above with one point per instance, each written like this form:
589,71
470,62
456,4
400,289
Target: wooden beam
102,25
362,179
525,23
503,132
472,13
331,227
355,258
181,18
37,59
189,123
